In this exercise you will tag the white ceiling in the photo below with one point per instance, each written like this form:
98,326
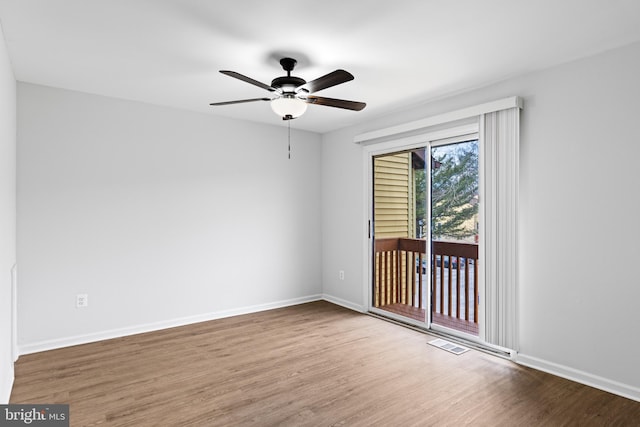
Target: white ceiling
401,52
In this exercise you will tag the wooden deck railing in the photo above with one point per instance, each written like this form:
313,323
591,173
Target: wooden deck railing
400,272
454,292
395,283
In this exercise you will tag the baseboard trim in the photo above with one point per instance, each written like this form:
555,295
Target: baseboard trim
344,303
611,386
6,385
37,347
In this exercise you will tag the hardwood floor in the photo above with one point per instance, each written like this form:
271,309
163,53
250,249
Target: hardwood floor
314,364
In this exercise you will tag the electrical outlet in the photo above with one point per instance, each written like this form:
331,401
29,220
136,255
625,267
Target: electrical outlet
82,300
341,274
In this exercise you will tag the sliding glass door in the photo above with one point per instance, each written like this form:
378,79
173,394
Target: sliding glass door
399,257
454,220
425,235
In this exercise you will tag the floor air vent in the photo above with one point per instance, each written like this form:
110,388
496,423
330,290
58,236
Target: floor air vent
450,347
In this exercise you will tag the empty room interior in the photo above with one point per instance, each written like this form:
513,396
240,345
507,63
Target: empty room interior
438,225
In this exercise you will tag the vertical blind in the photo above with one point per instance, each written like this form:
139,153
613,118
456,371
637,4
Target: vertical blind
501,130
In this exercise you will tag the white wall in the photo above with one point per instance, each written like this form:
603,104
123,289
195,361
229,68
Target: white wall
161,216
580,157
7,215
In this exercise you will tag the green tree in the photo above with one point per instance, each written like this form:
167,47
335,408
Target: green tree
454,190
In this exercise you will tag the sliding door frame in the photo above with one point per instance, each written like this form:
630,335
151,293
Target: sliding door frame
403,145
446,135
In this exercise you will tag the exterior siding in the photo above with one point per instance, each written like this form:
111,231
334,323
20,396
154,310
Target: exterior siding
392,201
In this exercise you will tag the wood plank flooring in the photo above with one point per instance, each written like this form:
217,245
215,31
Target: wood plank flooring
313,364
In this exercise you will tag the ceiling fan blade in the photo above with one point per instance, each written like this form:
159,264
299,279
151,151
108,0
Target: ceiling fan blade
248,80
240,101
334,78
338,103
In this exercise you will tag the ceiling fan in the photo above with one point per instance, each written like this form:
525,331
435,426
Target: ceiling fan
292,94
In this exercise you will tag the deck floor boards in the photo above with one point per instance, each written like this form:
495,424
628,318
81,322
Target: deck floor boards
416,313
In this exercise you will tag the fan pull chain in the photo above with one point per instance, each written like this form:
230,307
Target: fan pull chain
289,126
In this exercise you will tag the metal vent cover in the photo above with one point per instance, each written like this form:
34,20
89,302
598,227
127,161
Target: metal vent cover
448,346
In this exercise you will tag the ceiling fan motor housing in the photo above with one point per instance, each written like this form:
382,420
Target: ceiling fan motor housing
287,83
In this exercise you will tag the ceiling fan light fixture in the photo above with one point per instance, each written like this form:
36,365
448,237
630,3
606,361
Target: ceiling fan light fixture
288,107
